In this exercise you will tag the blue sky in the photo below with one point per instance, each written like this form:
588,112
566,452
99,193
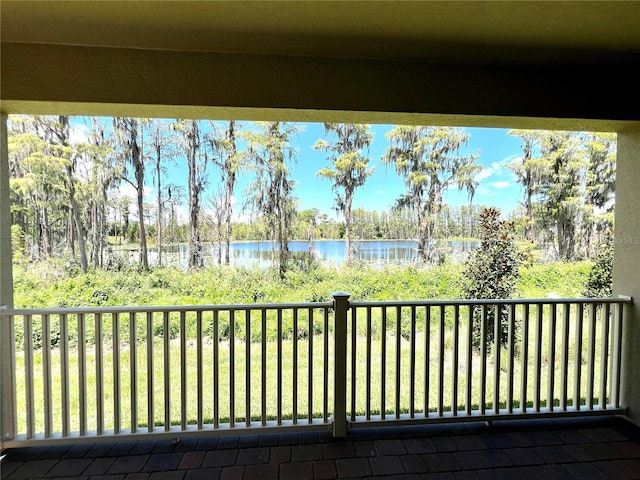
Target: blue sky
497,184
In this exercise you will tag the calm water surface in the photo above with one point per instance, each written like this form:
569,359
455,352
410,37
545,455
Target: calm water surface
376,252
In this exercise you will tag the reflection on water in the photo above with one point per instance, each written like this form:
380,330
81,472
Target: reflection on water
376,252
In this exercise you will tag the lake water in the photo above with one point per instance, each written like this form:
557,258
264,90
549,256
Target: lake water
332,252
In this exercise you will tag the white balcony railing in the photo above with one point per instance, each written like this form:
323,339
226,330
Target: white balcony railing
86,374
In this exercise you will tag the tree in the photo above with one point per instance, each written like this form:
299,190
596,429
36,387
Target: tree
192,143
271,193
562,190
528,171
104,173
430,161
55,131
600,186
491,272
37,184
349,167
226,156
128,134
162,146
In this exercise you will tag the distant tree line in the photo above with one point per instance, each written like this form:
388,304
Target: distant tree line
65,201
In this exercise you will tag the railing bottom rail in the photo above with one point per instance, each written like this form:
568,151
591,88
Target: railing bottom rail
377,421
175,433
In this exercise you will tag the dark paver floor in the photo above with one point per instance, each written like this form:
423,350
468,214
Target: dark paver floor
592,448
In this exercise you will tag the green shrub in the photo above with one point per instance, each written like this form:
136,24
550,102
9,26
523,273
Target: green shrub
600,279
491,272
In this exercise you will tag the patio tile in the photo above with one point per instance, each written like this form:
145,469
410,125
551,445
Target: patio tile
191,460
337,450
554,454
143,447
469,442
220,458
280,454
208,443
186,445
439,476
387,465
248,441
131,464
353,467
70,467
585,470
296,471
603,451
137,476
497,440
172,475
472,460
252,456
524,456
228,442
444,444
419,445
466,475
441,462
389,447
413,464
6,468
324,470
162,462
620,470
306,438
268,440
497,458
232,473
306,453
164,446
203,474
100,466
99,450
611,434
24,454
495,474
290,438
32,469
520,439
122,448
364,448
259,472
55,452
628,449
579,453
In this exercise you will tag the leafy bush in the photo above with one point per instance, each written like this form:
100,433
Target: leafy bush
491,272
599,282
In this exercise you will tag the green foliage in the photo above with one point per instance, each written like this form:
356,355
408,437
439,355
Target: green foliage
491,272
57,284
600,278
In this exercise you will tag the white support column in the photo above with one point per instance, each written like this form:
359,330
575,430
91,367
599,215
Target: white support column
7,410
626,269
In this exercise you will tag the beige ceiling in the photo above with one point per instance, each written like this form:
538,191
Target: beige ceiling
479,31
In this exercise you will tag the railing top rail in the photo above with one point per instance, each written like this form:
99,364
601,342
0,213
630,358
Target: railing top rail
164,308
305,305
505,301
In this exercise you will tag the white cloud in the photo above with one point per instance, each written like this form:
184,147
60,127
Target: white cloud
380,192
502,184
78,134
